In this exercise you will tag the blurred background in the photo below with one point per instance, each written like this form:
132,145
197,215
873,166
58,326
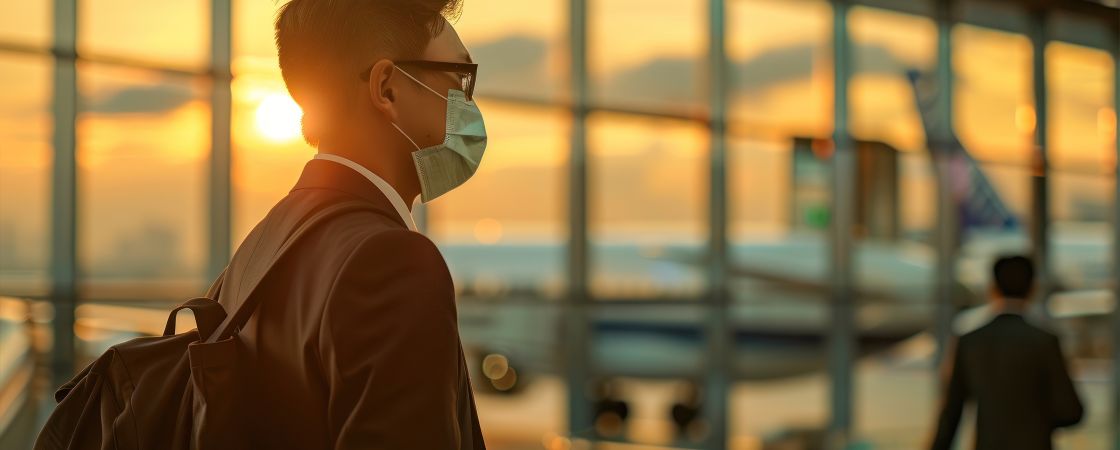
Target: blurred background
746,224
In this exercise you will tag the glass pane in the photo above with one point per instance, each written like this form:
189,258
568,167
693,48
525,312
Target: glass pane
175,33
778,202
1082,223
253,29
780,55
536,415
782,412
1009,196
894,263
520,47
25,174
887,46
648,54
1082,117
778,192
27,21
143,141
994,104
268,148
512,213
1082,179
760,185
648,205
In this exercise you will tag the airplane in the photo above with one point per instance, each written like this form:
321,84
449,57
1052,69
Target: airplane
779,313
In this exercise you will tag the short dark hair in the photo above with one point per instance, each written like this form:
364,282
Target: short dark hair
323,43
1014,276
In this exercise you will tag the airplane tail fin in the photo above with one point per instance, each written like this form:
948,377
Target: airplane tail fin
979,205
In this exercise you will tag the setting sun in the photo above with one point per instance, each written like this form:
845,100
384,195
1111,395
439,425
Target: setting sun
278,118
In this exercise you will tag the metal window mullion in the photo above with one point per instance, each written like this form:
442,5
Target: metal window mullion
1116,245
220,180
717,331
842,342
64,207
576,352
1040,174
943,157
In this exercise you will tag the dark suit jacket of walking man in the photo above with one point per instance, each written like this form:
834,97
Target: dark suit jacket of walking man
355,343
1013,370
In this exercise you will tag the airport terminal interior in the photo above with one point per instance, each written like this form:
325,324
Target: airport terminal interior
707,224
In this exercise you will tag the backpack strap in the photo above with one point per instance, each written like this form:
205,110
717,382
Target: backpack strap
244,302
208,314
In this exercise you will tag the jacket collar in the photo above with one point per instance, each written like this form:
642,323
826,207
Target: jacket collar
321,174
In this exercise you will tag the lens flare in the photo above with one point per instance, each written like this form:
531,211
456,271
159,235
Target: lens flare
278,118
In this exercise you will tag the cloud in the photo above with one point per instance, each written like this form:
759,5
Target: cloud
153,99
516,66
678,79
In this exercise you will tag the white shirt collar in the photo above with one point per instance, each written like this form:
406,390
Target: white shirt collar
386,188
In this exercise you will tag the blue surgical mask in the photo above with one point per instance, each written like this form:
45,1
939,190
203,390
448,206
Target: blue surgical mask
445,166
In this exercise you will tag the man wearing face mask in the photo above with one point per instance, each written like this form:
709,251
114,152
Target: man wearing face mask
355,341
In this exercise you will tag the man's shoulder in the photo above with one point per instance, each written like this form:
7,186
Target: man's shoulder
343,231
386,266
1016,325
366,238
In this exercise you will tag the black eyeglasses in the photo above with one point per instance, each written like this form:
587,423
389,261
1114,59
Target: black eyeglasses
467,72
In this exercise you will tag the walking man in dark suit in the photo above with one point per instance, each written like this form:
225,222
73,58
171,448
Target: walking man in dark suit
355,343
1014,372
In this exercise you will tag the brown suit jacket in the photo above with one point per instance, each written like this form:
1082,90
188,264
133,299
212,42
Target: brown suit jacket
355,343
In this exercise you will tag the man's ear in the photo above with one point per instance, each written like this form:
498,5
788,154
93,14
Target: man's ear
382,93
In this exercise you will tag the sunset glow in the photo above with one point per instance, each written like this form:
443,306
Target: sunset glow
278,118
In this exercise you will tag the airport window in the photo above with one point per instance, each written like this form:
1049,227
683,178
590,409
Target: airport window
648,55
143,158
993,102
268,149
648,180
781,75
254,33
25,173
520,47
26,22
1082,154
781,80
1082,114
760,187
174,32
142,147
887,46
524,247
